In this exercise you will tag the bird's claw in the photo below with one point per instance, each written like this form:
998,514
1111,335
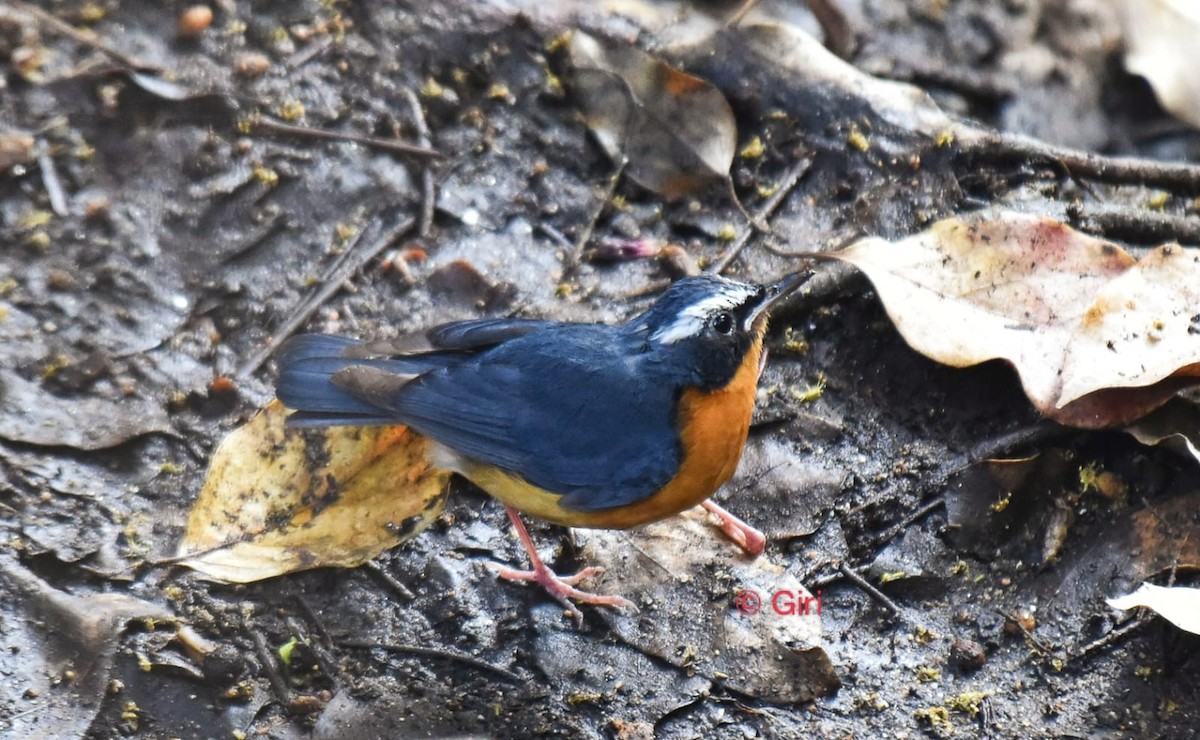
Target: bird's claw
562,588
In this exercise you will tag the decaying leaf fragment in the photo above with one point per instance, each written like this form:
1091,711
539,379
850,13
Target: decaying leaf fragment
762,634
1099,339
674,132
1178,605
1160,45
1176,425
285,499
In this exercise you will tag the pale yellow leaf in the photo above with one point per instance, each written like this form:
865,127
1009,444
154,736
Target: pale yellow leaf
277,500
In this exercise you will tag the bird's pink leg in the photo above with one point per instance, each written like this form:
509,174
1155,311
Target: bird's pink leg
743,535
561,588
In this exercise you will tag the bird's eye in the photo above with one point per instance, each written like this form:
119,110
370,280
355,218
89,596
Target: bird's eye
722,323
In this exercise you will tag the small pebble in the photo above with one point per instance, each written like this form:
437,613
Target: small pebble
194,21
251,64
967,655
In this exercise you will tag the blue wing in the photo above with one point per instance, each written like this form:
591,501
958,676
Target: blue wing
478,334
570,413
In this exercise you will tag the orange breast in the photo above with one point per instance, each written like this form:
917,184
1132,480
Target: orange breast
713,427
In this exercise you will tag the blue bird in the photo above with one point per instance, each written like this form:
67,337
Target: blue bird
584,425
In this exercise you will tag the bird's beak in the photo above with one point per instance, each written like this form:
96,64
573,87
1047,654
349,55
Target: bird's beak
773,294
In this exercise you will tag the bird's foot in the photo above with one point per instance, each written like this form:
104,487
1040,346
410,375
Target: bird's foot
562,588
752,540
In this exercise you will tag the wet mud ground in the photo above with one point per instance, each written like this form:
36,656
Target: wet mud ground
184,238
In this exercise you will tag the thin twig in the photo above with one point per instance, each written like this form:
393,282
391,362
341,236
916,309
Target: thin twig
87,38
766,211
33,710
740,13
870,589
319,644
262,232
1038,645
308,53
585,234
1006,443
353,260
835,27
1117,635
265,123
183,556
1118,170
428,193
555,235
987,449
390,581
50,179
267,662
1136,225
433,652
786,186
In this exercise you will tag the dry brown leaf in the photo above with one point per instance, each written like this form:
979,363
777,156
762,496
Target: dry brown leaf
285,499
1164,537
56,630
1098,338
1160,45
674,132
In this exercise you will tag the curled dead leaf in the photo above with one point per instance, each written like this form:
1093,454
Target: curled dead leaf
1176,425
1178,605
1099,339
1160,45
278,500
673,132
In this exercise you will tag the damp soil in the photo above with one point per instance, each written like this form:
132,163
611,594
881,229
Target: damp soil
153,240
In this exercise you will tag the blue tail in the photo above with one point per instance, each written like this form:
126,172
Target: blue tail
307,364
306,367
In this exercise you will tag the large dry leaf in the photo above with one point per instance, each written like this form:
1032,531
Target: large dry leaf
1160,45
282,499
1179,606
1098,338
674,132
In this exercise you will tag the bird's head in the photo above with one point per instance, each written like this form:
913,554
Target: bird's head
706,325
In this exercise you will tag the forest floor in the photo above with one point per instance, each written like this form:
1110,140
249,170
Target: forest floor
160,225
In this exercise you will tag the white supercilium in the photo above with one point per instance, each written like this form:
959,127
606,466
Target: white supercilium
691,320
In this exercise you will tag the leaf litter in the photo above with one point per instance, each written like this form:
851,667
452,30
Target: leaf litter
673,132
584,653
1098,338
1177,604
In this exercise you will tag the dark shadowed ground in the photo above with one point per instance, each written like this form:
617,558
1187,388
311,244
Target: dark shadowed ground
153,240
